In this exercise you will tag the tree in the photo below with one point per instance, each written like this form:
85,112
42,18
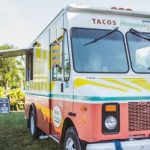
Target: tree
11,70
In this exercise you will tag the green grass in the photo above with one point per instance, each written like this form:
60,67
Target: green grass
14,134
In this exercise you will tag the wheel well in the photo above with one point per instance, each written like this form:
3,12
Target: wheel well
67,124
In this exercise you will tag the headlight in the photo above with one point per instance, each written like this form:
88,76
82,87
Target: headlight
110,123
110,118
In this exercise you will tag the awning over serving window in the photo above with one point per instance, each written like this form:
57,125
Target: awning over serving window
15,52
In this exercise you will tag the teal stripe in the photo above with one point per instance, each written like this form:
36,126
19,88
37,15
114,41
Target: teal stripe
38,94
93,98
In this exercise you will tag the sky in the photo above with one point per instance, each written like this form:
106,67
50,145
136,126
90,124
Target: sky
22,20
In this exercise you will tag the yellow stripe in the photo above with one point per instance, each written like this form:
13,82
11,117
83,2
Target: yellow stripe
140,82
56,47
80,82
45,111
52,85
44,54
38,52
122,84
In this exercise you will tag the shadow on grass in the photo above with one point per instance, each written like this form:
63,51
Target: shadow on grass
14,135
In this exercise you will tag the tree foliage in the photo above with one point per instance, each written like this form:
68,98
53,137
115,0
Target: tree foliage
11,70
2,92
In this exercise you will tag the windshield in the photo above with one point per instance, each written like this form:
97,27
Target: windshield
107,55
139,49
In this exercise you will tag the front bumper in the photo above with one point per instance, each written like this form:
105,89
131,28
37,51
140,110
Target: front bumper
143,144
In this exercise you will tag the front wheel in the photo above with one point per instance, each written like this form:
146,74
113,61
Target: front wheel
72,141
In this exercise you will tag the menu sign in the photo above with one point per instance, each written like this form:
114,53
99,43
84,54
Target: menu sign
4,105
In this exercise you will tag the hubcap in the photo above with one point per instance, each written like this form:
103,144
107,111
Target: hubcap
32,124
70,144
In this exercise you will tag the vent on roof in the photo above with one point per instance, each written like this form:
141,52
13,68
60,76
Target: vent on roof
126,9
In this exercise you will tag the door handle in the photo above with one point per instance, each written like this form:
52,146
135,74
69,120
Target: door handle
62,87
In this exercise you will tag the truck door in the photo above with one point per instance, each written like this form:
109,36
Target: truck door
60,84
56,86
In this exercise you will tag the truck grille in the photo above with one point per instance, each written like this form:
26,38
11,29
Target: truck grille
139,116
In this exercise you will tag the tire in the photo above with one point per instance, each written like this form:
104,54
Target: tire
28,123
71,141
35,132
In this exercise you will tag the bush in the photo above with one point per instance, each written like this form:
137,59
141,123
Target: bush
13,104
17,99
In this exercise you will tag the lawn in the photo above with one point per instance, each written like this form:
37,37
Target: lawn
14,135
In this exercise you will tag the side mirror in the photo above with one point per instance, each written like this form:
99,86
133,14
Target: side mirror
67,72
57,73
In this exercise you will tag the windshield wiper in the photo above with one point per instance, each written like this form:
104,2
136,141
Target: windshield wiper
101,37
139,34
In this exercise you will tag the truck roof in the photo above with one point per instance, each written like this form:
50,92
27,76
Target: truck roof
85,8
116,11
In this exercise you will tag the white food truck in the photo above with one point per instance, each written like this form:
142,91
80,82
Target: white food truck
88,79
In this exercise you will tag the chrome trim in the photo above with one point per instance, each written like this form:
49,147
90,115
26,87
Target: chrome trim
143,144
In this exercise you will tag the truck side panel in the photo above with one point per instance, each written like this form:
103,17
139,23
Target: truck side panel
38,89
